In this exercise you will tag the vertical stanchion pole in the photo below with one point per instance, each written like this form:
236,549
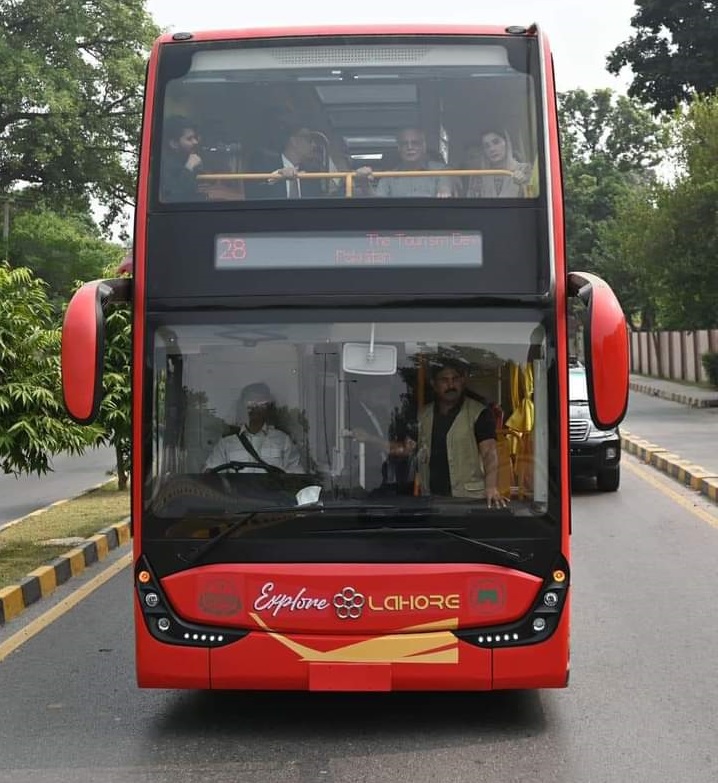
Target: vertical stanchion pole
420,399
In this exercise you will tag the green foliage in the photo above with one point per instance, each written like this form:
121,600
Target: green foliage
710,362
33,425
71,76
660,248
610,146
114,416
627,251
59,248
673,54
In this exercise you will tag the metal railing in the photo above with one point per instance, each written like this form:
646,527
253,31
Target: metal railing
350,177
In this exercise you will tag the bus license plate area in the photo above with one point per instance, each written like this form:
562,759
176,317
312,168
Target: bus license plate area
350,677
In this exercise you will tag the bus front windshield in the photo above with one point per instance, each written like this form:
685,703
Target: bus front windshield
353,415
373,119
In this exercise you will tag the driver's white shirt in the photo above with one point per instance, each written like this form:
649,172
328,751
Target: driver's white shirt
273,446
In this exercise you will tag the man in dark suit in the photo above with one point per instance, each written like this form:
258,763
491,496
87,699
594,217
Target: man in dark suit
297,149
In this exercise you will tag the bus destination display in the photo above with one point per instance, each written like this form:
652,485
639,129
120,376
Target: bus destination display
323,250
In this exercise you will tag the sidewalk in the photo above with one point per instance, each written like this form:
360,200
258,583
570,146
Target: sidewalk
674,428
695,396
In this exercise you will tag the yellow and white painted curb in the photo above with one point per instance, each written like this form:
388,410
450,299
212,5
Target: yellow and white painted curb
693,476
44,580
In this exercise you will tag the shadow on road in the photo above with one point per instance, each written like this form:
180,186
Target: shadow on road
389,722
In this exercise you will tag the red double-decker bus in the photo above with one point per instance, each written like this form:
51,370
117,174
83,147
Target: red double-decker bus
350,462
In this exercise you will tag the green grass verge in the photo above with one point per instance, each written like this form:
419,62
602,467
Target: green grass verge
22,548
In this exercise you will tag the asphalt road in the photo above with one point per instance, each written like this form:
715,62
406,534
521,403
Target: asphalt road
641,706
70,476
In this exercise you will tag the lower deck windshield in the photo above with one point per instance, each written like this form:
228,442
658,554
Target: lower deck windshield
306,429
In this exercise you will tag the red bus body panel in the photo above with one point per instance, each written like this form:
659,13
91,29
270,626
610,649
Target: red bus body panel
338,30
403,638
301,598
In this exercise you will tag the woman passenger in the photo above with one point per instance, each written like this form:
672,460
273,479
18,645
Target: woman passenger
496,152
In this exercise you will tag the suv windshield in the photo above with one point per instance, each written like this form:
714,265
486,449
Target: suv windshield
577,387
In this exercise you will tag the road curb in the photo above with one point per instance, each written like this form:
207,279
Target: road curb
694,476
685,399
44,580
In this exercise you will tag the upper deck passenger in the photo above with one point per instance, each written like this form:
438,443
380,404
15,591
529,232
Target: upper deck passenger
181,162
496,152
413,156
297,153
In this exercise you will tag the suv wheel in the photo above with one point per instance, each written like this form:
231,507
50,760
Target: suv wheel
609,479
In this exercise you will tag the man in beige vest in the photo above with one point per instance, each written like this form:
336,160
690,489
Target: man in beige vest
457,441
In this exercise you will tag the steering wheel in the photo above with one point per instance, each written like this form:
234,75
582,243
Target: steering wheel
237,466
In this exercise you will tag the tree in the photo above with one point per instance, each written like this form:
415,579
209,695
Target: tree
33,424
59,248
71,76
628,255
673,54
610,145
114,416
689,225
660,248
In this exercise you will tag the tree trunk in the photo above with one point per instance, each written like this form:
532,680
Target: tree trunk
122,470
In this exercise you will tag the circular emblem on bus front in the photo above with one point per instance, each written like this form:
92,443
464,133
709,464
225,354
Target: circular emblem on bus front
348,603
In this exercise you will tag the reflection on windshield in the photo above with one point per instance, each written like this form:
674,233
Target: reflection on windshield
250,417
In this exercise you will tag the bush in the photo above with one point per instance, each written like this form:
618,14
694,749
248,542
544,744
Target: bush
710,362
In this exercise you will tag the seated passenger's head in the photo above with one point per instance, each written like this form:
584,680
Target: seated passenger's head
411,143
496,147
297,143
255,405
181,135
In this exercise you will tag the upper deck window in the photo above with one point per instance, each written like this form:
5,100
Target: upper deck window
257,121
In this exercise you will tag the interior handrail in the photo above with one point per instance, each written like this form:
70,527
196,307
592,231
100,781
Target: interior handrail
350,176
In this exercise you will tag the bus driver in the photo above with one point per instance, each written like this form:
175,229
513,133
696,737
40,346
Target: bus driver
256,441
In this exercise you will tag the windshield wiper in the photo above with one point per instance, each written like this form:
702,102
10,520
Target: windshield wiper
194,557
511,555
208,546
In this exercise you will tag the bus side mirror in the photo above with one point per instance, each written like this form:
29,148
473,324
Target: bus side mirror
605,347
83,346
